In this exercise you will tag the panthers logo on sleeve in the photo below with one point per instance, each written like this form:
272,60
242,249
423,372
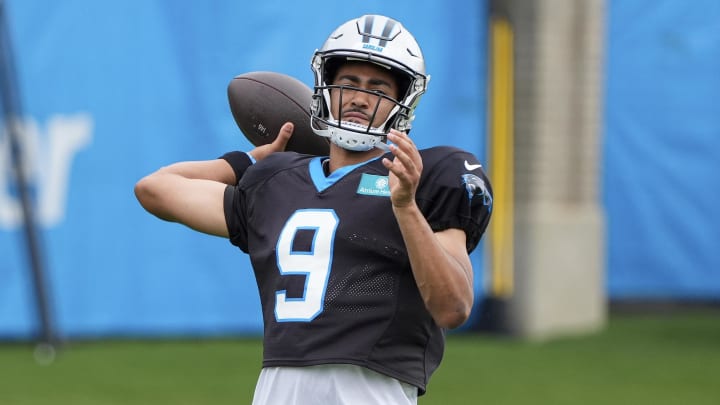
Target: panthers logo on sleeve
475,187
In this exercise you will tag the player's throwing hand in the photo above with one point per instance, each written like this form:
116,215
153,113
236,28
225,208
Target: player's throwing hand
278,145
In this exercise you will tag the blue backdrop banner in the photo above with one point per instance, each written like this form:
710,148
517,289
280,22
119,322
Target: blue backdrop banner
662,149
115,90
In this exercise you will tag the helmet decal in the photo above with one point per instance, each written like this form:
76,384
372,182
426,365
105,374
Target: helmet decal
389,31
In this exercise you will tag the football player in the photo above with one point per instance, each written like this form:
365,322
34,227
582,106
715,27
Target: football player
361,257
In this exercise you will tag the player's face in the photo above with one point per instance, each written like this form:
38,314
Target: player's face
358,106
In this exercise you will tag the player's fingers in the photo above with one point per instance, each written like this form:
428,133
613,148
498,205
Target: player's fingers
396,137
406,153
283,136
402,185
401,162
402,167
401,139
387,163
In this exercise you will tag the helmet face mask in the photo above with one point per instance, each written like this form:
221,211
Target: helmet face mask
372,39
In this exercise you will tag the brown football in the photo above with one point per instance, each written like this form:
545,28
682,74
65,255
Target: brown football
261,102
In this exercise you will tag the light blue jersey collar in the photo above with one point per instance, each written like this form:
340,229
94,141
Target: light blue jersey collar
318,175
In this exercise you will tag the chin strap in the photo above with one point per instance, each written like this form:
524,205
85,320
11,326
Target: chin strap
354,140
383,146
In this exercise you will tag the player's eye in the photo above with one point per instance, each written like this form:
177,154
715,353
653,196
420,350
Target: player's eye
347,84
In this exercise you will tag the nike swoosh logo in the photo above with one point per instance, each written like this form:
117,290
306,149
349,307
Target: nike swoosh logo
470,167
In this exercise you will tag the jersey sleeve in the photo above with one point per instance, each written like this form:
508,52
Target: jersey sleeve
239,161
237,226
240,199
455,193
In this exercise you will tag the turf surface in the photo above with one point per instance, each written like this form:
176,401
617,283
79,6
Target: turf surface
655,360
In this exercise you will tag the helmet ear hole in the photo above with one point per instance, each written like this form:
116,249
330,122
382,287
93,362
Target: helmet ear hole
403,82
330,68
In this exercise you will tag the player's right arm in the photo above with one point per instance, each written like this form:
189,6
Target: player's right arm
191,193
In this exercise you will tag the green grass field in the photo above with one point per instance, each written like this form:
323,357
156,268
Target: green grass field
671,359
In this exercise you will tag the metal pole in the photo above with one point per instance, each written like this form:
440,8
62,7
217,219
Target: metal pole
13,112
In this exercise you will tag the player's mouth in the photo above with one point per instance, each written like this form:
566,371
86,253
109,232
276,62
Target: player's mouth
356,117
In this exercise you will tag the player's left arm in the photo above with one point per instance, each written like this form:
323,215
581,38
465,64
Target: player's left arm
439,260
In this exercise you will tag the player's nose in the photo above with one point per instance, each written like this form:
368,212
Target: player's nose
359,98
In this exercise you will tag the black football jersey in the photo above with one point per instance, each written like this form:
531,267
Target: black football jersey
331,266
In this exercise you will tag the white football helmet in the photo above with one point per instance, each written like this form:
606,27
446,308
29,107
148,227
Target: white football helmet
376,39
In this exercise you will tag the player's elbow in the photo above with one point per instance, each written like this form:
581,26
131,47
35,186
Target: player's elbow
451,308
452,318
149,195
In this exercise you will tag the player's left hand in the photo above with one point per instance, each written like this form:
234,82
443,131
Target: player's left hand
405,169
